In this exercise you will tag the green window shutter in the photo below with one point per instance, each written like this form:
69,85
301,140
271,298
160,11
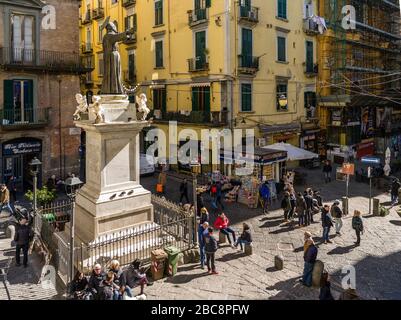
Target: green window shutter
208,3
281,49
309,56
247,45
282,9
159,54
246,97
8,94
195,99
159,12
135,22
28,90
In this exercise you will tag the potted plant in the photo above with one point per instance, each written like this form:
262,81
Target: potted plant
44,196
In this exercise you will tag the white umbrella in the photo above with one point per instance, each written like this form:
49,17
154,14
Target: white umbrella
293,153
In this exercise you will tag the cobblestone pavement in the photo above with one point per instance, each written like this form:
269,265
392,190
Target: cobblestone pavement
23,283
376,261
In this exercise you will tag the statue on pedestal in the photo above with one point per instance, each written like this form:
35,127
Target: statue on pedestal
112,83
142,107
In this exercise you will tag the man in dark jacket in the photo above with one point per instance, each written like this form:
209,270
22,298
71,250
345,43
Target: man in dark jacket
327,223
310,255
219,194
395,186
184,191
300,209
327,170
210,250
23,235
337,214
95,280
309,203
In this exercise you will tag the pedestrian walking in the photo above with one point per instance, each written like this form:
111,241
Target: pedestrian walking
286,205
264,192
327,171
161,183
12,187
293,201
337,214
327,223
5,199
395,187
95,280
221,224
245,237
310,255
184,191
309,203
210,250
23,236
301,209
325,287
213,194
218,196
203,232
357,225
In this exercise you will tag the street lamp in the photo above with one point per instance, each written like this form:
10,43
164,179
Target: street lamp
283,101
35,165
71,187
196,169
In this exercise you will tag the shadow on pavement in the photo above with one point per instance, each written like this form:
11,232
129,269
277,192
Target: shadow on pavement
283,230
231,256
272,269
182,278
271,224
342,250
396,222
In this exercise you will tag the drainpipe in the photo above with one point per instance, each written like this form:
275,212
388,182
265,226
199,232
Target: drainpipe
59,128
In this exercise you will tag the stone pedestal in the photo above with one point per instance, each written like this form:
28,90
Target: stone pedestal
112,198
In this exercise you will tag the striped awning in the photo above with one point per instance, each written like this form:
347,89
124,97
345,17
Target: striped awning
199,84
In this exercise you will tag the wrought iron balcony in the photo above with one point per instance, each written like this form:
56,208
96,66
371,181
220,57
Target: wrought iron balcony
87,18
12,118
310,26
311,69
198,16
199,63
87,47
214,118
41,60
128,3
248,14
131,38
248,64
98,13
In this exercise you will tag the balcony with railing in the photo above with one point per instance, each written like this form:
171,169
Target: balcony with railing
248,15
86,48
87,18
129,76
128,3
214,118
198,16
248,64
311,69
310,26
199,63
41,60
98,13
12,118
131,39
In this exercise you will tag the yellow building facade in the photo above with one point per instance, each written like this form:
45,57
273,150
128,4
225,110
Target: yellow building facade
216,63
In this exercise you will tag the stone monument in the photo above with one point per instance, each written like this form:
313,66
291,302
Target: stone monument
112,198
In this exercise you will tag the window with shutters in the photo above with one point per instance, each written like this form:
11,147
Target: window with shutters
246,97
18,100
201,103
159,99
130,22
309,57
282,9
22,37
158,12
159,54
281,49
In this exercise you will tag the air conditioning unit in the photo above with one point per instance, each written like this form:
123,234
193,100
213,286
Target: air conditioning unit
252,15
261,142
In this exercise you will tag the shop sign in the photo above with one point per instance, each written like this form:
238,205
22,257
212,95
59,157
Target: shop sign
348,169
23,147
